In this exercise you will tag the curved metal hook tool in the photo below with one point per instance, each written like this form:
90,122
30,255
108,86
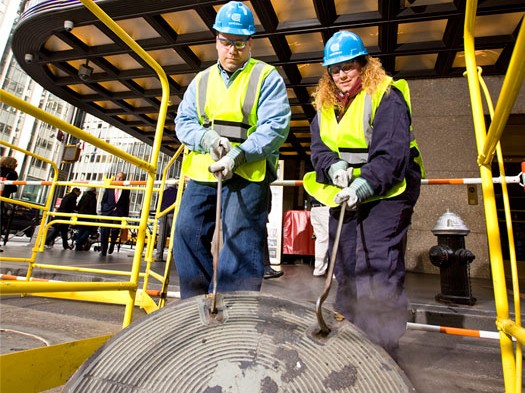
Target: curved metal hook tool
325,330
213,309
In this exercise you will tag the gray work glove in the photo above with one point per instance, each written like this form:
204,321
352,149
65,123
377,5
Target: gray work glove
343,178
228,163
348,196
224,165
338,174
218,146
359,191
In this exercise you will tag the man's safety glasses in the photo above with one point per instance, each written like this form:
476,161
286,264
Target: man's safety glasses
237,44
345,67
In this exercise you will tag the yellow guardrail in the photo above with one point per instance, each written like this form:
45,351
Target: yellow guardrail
150,167
44,208
158,214
506,325
107,290
486,145
94,293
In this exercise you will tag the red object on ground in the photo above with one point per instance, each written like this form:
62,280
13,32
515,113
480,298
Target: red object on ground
298,233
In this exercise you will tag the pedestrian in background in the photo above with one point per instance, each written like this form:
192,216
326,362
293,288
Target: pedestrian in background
7,172
169,196
234,126
115,202
364,149
86,205
67,205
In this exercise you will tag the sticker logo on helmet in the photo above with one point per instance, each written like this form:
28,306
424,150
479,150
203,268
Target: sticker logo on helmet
335,47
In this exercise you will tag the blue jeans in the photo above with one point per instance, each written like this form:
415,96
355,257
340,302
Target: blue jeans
244,215
83,236
58,229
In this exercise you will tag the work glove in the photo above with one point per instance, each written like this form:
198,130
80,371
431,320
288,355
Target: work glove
343,178
218,146
340,178
338,174
359,191
228,163
347,196
224,165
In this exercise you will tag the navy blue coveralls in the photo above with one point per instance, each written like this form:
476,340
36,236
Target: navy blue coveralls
370,267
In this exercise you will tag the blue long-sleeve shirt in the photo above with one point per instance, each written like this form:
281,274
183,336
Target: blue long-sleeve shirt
273,119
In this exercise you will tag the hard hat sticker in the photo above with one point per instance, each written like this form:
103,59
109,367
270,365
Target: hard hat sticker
335,47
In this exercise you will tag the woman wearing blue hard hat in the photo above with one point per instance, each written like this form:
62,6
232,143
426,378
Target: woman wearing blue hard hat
366,159
234,117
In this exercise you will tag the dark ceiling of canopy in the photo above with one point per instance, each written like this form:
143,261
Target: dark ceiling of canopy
414,39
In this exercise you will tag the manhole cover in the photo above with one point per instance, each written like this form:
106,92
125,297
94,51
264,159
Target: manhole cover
257,343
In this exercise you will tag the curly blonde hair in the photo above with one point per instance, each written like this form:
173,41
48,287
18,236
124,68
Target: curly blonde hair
325,95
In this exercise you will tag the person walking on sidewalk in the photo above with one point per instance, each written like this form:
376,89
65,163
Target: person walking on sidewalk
169,197
86,205
115,202
366,159
7,172
67,205
234,117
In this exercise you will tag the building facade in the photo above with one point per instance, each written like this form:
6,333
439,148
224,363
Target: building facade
40,138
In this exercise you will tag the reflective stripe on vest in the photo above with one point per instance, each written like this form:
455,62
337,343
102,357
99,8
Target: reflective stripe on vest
350,138
232,112
325,193
402,86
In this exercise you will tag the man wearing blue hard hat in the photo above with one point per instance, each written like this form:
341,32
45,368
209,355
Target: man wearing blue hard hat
234,117
367,161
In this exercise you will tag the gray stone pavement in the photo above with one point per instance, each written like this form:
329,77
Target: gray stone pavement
431,360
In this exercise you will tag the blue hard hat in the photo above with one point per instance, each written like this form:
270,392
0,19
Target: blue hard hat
235,18
343,46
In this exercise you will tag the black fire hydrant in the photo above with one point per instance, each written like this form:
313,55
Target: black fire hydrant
452,259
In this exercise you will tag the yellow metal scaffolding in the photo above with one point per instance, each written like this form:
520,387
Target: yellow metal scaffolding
128,289
486,144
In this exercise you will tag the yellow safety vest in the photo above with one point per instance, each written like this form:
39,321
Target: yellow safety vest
232,112
351,137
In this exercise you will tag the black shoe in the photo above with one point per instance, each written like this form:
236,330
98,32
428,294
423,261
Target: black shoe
111,248
271,273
